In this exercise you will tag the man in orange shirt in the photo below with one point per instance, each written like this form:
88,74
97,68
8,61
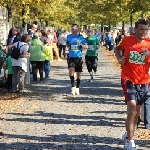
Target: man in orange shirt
131,55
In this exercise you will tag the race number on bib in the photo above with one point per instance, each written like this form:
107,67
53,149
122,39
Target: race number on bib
74,48
90,47
136,57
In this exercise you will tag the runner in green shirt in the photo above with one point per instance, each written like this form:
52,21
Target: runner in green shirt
92,53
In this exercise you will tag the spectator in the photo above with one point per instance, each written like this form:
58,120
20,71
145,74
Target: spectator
62,43
43,36
19,66
52,38
48,57
36,56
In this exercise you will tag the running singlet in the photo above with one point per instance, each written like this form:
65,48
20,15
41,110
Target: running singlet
75,50
92,46
136,65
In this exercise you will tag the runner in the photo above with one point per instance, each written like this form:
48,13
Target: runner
134,76
92,53
75,44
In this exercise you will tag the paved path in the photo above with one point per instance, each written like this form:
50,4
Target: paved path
50,118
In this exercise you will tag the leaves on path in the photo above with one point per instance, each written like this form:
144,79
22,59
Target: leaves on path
7,99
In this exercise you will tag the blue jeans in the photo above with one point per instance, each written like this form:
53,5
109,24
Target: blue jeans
47,67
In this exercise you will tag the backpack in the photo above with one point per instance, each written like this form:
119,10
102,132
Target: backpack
16,51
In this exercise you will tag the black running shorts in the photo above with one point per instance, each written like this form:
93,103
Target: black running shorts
91,63
136,92
76,63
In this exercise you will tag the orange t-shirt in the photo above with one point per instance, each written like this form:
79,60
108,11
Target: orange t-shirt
136,65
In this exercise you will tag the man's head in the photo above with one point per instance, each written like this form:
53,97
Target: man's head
89,32
75,29
34,27
141,29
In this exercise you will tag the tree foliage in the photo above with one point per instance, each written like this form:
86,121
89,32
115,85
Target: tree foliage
65,12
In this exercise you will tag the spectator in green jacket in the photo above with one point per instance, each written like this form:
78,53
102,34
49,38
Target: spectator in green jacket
36,56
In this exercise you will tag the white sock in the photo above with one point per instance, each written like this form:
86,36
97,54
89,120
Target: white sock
131,143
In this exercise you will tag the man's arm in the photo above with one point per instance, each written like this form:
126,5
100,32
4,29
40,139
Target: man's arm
118,53
120,58
84,46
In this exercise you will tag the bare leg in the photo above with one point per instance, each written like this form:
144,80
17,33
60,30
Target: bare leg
131,118
91,74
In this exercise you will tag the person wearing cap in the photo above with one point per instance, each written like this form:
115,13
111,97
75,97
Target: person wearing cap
36,56
91,53
75,43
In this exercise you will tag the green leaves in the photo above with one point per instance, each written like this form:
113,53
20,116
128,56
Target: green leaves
65,12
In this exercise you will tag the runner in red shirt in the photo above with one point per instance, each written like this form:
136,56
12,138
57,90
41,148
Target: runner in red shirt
131,54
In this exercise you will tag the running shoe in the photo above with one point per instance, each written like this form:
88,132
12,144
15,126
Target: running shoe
132,148
77,91
73,90
126,141
91,80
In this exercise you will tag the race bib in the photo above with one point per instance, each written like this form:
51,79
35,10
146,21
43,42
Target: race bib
90,47
137,58
74,48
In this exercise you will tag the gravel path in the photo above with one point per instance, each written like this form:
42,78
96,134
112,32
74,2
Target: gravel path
48,117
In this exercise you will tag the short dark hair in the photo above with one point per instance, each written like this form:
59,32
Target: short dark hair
140,21
35,22
75,25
